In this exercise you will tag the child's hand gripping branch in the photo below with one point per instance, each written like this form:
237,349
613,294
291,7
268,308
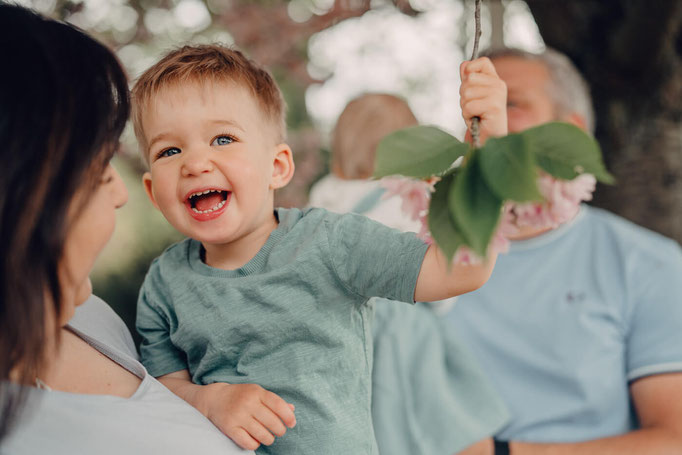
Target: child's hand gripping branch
484,95
247,413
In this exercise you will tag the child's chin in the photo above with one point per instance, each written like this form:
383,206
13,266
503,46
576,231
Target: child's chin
213,240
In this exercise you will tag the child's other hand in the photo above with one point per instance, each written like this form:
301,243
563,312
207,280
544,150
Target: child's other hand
483,94
247,413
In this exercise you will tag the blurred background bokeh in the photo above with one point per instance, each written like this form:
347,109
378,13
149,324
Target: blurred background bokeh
323,53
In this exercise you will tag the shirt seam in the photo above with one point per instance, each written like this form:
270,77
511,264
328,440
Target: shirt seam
654,369
413,256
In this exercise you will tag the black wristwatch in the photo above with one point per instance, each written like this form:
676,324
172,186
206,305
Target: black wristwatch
501,447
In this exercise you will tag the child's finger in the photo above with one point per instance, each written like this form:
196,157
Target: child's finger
280,408
480,65
495,95
270,421
483,79
258,432
469,93
477,108
462,71
243,439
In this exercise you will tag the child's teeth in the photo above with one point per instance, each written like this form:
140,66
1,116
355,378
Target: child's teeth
201,193
218,206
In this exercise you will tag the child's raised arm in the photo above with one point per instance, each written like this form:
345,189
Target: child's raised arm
437,282
483,95
247,413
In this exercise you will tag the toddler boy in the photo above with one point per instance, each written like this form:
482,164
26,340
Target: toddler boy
261,309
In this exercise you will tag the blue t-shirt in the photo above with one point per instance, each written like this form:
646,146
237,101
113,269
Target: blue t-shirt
294,320
570,318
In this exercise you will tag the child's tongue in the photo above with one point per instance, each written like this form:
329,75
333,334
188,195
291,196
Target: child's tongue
208,201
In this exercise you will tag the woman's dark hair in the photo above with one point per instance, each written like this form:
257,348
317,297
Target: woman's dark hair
63,106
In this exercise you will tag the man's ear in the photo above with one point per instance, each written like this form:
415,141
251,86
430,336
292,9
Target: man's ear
147,183
282,166
577,120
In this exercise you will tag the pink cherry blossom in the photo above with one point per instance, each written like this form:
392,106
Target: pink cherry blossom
424,232
562,201
505,229
498,244
415,194
561,204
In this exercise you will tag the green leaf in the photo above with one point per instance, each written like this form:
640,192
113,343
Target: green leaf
509,169
443,229
475,208
565,151
419,151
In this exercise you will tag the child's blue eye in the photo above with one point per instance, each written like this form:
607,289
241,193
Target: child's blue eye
222,140
169,152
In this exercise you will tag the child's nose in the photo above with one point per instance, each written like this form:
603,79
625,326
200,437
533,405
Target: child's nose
196,163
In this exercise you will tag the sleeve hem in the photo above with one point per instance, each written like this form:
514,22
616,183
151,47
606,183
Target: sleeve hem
659,368
164,370
414,257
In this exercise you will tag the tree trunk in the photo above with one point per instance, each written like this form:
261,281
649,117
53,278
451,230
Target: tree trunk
630,52
496,24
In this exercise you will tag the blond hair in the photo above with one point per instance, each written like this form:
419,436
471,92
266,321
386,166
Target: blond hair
202,63
360,128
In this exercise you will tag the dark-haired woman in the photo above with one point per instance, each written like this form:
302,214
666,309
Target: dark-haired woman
71,382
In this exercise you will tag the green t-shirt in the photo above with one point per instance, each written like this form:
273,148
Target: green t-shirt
295,319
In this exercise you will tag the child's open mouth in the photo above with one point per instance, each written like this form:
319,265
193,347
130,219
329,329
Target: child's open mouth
208,202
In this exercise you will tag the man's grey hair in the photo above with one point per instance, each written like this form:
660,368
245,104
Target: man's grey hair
567,88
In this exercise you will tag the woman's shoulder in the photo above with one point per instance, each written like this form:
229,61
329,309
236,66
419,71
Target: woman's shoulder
97,320
153,420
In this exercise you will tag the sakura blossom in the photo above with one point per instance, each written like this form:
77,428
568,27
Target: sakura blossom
415,194
498,244
561,204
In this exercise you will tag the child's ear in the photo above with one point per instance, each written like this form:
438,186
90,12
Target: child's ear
283,166
147,183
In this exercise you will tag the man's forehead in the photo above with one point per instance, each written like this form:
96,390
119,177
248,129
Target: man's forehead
521,73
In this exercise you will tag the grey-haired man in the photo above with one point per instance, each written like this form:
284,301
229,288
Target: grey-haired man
579,327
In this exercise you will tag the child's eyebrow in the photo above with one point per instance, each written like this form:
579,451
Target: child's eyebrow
226,122
157,138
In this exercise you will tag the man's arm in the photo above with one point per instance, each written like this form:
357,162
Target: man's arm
482,447
658,404
247,413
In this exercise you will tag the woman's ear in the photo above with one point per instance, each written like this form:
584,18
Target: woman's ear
147,183
282,166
